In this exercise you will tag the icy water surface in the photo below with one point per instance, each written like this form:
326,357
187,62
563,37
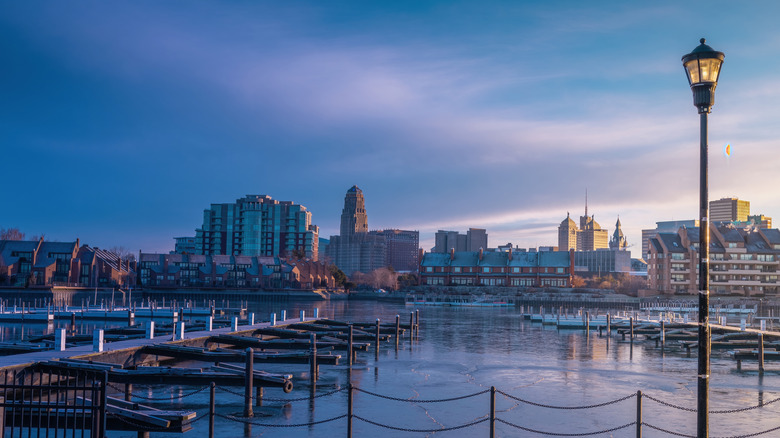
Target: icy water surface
462,351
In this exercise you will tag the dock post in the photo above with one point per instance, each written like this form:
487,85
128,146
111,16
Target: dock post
316,313
411,325
259,396
128,392
234,325
492,411
73,321
59,339
639,414
760,352
284,315
663,332
150,330
397,329
251,318
763,325
417,321
349,345
303,315
130,318
180,328
609,324
587,324
313,358
377,336
97,340
742,324
212,408
631,321
248,382
210,323
273,319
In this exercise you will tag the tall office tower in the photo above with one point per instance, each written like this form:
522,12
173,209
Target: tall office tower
257,225
354,219
729,209
567,234
476,239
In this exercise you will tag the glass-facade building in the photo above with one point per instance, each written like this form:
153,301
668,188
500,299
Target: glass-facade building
257,225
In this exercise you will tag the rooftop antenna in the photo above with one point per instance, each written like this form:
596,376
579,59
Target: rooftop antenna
586,202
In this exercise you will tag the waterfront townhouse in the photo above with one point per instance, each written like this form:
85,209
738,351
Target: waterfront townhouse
494,268
41,263
229,271
743,261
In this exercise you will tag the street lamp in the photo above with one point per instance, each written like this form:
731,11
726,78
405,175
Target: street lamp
702,67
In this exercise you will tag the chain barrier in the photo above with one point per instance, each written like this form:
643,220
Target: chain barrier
173,397
313,423
274,399
633,423
667,431
441,400
732,411
753,434
405,429
567,407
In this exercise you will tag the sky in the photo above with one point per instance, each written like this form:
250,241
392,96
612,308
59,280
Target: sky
121,121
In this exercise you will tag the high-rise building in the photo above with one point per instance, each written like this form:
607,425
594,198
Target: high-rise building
589,236
257,225
729,209
474,240
360,250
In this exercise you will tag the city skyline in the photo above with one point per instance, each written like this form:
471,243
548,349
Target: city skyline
123,121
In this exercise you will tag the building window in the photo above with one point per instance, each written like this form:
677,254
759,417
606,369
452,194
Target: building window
486,270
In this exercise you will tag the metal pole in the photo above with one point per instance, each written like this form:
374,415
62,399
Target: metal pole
349,345
349,410
702,416
639,414
212,409
492,411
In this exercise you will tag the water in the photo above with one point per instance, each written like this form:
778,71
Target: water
462,351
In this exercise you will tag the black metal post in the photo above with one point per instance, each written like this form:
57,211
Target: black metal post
639,414
212,409
349,345
702,417
349,410
492,411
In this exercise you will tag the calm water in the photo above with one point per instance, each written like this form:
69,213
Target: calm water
462,351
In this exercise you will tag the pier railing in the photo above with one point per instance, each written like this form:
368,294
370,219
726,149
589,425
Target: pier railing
489,415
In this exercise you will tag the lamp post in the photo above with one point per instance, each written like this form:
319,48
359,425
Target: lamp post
702,67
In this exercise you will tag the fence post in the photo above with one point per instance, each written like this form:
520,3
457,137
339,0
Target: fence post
248,382
212,409
492,411
349,410
377,336
609,324
639,414
760,352
631,320
103,403
313,360
397,329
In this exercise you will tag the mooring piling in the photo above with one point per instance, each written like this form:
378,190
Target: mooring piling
248,382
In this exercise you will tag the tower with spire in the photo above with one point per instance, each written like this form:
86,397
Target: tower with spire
618,240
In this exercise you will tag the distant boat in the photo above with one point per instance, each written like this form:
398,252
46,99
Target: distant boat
483,301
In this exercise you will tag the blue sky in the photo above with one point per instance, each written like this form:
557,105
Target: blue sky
121,121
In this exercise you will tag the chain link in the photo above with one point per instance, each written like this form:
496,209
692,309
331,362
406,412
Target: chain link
160,399
753,434
387,397
566,407
272,399
313,423
667,431
669,405
732,411
404,429
567,434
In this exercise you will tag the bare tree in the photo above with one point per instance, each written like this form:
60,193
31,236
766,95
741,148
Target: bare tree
122,252
11,234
